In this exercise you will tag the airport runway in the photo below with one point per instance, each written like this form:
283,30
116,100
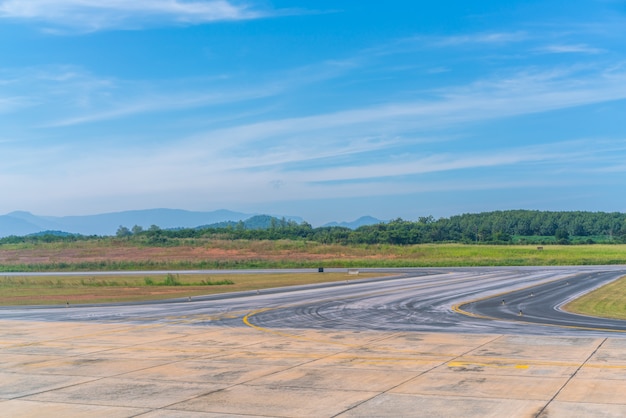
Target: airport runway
426,300
389,347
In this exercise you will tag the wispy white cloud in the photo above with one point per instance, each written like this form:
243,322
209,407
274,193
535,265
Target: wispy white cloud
159,102
485,38
355,148
57,90
560,156
570,49
544,166
13,103
183,169
94,15
72,96
514,95
420,42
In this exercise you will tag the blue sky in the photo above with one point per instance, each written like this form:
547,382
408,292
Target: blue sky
329,110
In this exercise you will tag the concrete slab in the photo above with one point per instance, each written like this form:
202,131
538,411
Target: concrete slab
437,345
373,360
17,362
118,337
127,393
610,353
602,371
549,349
335,378
16,385
216,338
176,370
583,410
614,343
201,371
352,337
88,366
28,409
269,358
55,348
276,401
511,366
300,344
393,405
169,413
158,352
598,391
480,385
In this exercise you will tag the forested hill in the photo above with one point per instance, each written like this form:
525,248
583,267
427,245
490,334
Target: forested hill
516,226
506,226
500,227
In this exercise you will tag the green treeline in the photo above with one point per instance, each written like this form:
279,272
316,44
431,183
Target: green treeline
500,227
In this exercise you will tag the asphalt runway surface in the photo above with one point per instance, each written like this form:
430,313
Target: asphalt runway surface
502,300
418,342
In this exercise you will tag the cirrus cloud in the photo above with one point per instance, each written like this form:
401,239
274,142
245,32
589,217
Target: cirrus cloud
94,15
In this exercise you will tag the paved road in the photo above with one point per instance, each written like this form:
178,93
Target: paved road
411,300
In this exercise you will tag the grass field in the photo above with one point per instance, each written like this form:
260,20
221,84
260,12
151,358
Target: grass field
114,254
120,255
38,290
608,301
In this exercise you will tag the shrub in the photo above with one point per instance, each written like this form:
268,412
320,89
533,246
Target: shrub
171,280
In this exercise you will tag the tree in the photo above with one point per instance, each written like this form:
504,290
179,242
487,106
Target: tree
562,236
123,232
137,230
500,236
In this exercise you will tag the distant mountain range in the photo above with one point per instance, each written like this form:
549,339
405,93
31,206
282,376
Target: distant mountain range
25,223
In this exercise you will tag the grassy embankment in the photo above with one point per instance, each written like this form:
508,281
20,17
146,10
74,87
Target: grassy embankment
608,301
112,254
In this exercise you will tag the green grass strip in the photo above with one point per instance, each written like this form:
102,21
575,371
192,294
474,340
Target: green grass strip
607,301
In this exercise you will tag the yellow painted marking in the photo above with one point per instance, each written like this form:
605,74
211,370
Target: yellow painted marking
492,365
246,320
603,366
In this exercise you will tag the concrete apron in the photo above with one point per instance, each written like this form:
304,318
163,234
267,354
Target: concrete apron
104,370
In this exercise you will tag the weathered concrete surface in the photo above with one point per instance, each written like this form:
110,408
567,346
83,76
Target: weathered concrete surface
102,370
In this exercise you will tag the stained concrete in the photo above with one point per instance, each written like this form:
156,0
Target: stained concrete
159,370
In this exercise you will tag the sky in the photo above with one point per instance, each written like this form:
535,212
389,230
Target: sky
327,110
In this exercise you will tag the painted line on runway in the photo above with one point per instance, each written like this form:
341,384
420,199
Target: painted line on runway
457,308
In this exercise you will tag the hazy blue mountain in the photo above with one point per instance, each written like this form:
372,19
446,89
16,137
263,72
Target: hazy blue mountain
363,220
11,225
25,223
107,223
41,223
